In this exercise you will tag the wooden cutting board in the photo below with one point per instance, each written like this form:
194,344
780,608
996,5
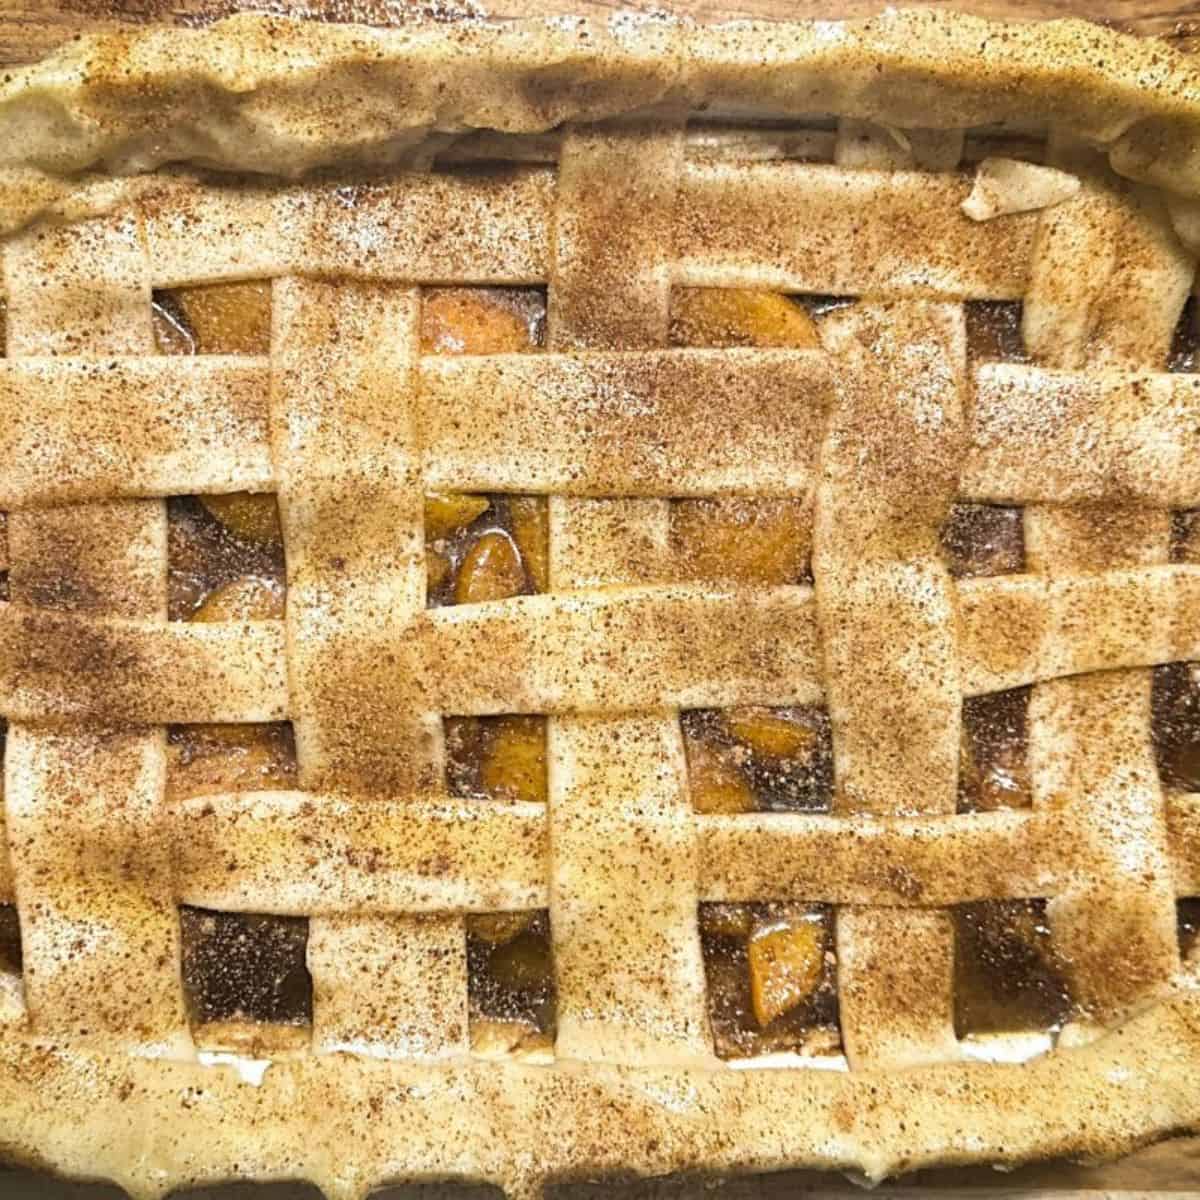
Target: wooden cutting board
31,28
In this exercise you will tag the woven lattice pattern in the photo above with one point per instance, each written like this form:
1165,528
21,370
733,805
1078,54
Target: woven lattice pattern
879,431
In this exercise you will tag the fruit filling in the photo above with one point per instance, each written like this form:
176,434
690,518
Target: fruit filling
215,318
994,331
246,979
3,556
984,539
482,320
496,758
1185,349
759,759
205,760
1187,914
510,983
771,978
993,765
728,317
1175,725
10,940
1185,536
739,540
224,558
1008,976
480,548
10,929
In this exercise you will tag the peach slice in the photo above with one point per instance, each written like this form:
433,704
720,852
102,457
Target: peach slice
727,920
775,734
491,571
253,516
448,512
785,967
469,320
498,928
514,760
724,317
716,786
530,517
218,318
248,599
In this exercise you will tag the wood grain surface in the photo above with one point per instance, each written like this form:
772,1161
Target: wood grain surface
31,28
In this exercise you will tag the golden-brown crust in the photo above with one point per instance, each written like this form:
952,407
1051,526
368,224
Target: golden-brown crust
875,432
1091,753
1095,1101
888,476
283,97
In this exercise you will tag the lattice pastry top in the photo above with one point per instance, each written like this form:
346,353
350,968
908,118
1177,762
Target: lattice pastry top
732,599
